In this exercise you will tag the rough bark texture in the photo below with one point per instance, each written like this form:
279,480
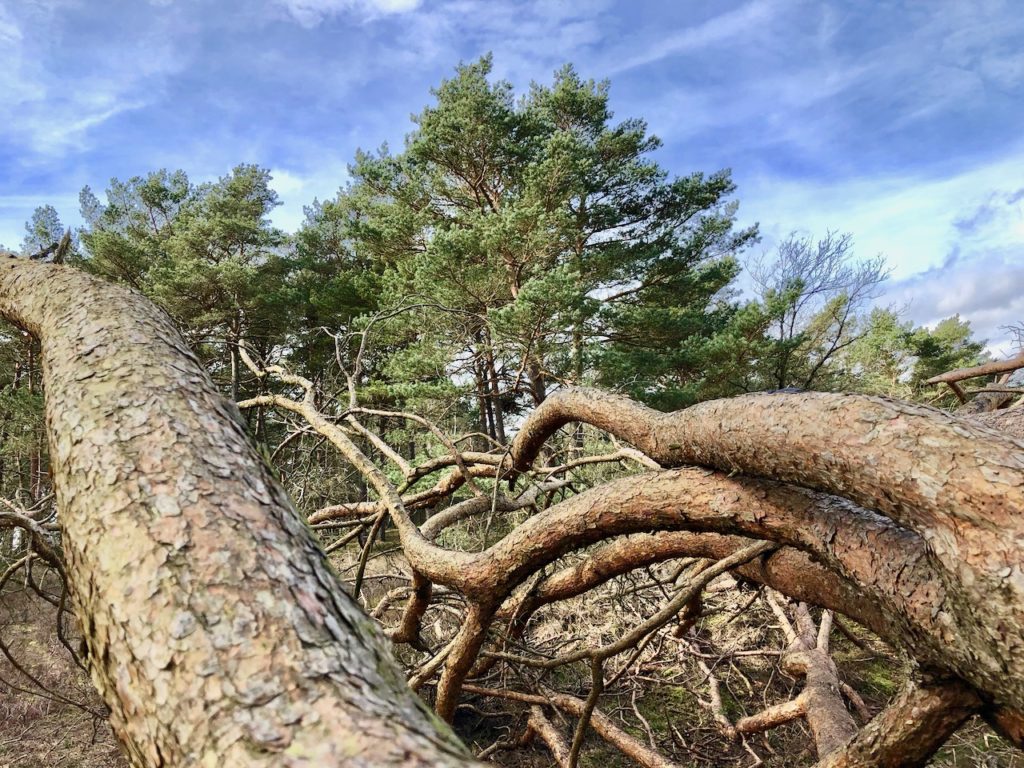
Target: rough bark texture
866,549
955,484
939,580
218,636
888,565
1008,420
985,402
216,632
908,732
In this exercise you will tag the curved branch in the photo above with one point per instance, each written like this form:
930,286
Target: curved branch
435,562
855,446
945,584
910,730
958,485
787,570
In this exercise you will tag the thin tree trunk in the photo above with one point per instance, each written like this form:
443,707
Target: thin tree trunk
482,391
495,399
234,370
538,387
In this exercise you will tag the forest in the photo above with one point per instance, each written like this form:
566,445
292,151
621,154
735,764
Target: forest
518,451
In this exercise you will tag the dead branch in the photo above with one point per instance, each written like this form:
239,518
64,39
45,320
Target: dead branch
603,725
910,730
985,369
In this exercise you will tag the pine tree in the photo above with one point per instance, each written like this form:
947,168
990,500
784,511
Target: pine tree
542,242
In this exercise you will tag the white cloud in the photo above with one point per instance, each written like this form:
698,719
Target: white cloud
54,136
745,20
912,220
309,13
50,110
984,288
815,79
955,243
298,189
286,183
10,32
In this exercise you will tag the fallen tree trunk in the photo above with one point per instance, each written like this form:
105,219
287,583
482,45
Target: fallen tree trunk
957,485
216,633
985,369
930,600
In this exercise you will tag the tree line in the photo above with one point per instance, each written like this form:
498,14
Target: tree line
533,242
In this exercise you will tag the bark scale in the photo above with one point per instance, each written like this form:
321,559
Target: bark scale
955,484
909,731
216,632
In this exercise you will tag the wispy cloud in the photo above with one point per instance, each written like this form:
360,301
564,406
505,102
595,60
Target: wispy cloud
297,189
897,122
915,220
529,38
982,287
982,276
10,32
309,13
955,242
1000,209
831,89
746,20
52,102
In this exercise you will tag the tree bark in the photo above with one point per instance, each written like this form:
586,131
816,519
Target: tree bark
955,484
1009,421
216,632
538,725
909,731
986,369
495,396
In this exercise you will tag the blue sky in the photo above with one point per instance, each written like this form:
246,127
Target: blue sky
900,122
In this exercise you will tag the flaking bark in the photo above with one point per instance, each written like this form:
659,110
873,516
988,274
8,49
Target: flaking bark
216,632
953,483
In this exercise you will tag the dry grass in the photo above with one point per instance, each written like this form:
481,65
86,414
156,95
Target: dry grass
36,731
662,700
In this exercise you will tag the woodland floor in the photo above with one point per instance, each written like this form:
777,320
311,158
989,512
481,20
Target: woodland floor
37,732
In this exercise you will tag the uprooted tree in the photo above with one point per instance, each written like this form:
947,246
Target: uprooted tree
217,634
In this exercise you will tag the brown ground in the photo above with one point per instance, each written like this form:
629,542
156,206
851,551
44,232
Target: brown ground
38,732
